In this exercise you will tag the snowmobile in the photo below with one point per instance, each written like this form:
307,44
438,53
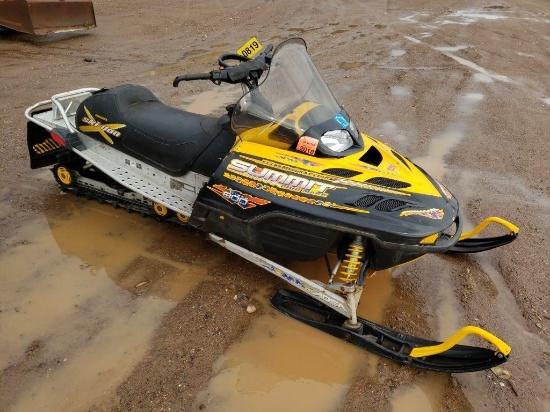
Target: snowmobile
283,175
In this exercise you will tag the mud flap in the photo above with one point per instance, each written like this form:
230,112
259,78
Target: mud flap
386,342
43,149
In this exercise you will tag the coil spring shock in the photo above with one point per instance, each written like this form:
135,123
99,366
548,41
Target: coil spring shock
349,271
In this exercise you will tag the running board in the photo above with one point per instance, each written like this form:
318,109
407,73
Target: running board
402,348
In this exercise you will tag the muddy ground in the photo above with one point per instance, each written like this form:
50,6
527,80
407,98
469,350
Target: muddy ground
100,310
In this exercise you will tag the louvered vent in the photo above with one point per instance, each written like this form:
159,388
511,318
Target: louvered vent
367,200
342,172
384,181
400,158
390,205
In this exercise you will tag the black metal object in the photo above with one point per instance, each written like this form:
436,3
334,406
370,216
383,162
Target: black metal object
482,244
383,341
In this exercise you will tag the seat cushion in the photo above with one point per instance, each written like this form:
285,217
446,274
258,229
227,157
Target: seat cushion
134,121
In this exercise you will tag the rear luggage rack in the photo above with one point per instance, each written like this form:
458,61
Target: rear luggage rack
63,109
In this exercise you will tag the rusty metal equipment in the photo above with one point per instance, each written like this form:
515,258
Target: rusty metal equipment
47,16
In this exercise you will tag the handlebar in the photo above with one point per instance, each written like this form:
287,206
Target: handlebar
247,72
188,77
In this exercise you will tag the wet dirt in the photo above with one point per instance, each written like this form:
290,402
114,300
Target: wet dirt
104,310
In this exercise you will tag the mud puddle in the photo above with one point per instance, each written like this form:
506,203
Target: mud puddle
283,364
424,396
78,305
84,287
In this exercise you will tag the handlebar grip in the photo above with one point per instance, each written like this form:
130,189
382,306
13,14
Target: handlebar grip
188,77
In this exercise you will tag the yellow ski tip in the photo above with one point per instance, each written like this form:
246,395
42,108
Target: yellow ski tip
502,346
510,226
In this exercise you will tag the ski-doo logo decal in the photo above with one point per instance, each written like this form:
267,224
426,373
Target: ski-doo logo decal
95,126
341,120
48,145
436,214
235,197
280,179
298,283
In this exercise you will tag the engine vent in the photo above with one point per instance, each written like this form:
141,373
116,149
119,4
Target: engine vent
372,156
342,172
384,181
390,205
367,200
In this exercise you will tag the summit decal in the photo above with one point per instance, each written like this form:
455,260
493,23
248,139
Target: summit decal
280,179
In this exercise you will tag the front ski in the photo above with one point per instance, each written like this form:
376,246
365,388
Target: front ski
467,244
402,348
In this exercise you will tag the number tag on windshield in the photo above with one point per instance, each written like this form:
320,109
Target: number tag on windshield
307,145
250,48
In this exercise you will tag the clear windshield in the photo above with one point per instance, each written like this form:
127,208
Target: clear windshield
292,98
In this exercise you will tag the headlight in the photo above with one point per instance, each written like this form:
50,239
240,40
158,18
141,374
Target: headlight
337,140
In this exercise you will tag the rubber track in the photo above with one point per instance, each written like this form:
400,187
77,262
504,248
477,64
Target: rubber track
118,201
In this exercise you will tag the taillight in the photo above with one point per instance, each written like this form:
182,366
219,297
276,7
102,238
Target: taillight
58,139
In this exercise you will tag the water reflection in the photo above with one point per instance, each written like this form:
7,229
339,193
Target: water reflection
68,292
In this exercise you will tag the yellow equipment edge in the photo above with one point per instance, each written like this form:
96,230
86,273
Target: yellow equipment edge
502,346
510,226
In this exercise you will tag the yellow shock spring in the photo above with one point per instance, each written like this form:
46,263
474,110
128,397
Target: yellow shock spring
349,271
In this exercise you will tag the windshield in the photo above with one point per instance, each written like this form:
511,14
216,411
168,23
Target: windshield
292,99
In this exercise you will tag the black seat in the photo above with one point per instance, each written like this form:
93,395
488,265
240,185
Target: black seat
160,135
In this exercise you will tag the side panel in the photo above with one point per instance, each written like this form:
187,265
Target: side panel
274,234
283,236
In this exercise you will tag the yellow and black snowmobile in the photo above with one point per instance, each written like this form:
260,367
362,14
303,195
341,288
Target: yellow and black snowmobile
285,174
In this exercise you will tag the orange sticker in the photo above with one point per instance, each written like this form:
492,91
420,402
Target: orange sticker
307,145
